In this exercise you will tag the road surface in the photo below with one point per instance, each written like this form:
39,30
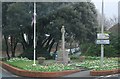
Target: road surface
5,73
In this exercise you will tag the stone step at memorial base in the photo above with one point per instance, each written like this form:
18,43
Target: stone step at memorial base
59,60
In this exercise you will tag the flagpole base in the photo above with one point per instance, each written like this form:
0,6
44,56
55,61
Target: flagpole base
34,64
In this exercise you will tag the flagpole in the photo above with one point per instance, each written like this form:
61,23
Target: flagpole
34,33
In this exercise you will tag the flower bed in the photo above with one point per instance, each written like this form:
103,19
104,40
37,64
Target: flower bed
26,73
24,67
26,64
110,66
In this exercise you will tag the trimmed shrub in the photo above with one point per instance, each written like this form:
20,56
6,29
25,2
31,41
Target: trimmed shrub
40,60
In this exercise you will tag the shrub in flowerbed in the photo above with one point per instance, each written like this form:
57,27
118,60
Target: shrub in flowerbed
82,58
92,58
73,57
26,64
41,60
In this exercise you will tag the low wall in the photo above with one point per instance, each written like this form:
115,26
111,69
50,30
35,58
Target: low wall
104,72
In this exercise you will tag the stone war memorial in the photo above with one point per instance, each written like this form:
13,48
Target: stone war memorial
62,55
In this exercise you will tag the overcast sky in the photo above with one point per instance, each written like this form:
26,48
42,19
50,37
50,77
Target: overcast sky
110,7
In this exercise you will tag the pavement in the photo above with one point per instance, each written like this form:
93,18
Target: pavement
80,74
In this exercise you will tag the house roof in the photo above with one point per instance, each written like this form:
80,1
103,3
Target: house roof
115,29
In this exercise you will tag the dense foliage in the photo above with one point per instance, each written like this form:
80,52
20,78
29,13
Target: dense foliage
111,50
79,20
95,50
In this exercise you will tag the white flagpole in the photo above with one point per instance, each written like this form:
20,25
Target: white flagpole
34,33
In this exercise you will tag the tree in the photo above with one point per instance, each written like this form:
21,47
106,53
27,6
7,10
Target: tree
79,20
4,24
71,16
108,22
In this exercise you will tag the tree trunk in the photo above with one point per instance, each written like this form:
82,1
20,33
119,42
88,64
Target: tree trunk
13,46
70,48
11,39
45,41
24,43
48,43
23,40
6,42
56,48
50,47
23,46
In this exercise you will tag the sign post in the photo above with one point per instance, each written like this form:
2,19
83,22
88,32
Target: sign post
102,31
102,38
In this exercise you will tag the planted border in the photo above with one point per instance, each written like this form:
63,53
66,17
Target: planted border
26,73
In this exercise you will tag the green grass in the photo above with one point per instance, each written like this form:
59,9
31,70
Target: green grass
19,63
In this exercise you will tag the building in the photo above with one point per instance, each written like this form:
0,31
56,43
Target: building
115,30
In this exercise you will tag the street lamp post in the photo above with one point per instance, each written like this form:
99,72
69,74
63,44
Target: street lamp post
34,33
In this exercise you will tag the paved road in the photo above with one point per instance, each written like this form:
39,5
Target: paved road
113,76
86,75
80,74
5,73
